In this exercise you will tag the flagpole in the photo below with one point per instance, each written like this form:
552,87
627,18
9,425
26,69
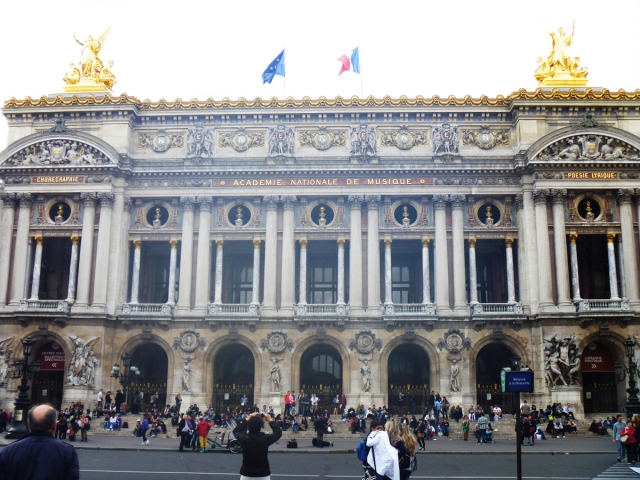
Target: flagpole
284,84
360,65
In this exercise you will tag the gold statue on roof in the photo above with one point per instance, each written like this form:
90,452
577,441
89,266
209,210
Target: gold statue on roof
90,74
559,69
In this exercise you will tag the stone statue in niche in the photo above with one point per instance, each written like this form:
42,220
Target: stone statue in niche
489,220
322,222
365,372
156,221
455,372
83,361
406,222
59,218
239,221
275,375
186,374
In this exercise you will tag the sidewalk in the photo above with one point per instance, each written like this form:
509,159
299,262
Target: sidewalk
569,445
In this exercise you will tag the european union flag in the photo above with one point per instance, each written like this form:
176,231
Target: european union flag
275,68
355,61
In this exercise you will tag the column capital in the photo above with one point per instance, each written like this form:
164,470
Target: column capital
559,195
288,201
355,201
74,240
38,240
256,243
372,201
509,242
206,203
519,204
303,243
624,195
188,203
8,199
174,244
472,242
440,201
106,199
457,201
540,196
271,201
425,242
611,237
137,243
89,198
387,243
573,237
25,199
220,243
127,204
341,242
637,196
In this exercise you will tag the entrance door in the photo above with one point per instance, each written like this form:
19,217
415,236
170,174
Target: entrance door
598,379
490,361
233,376
321,373
49,381
152,361
408,370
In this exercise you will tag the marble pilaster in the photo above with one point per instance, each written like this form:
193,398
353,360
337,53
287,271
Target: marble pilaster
544,250
623,291
523,278
575,274
6,240
613,275
86,249
135,274
288,277
341,271
255,290
217,296
560,246
30,255
37,264
441,277
458,202
270,256
529,241
628,247
355,255
19,276
388,286
473,274
73,270
102,250
373,255
173,261
511,283
426,277
203,264
186,254
302,289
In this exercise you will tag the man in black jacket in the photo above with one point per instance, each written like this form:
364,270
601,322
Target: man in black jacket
320,426
255,444
185,431
39,455
119,400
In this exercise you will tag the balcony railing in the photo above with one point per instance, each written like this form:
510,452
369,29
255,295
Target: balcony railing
496,308
147,309
410,309
321,309
58,306
234,309
602,305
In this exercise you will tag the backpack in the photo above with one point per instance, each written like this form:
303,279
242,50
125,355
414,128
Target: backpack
361,451
292,443
125,424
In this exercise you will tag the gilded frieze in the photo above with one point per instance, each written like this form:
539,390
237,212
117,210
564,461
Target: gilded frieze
240,141
485,138
404,139
160,141
322,139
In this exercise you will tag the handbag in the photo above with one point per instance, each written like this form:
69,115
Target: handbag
624,438
420,434
70,433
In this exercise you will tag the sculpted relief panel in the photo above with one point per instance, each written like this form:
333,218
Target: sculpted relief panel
589,147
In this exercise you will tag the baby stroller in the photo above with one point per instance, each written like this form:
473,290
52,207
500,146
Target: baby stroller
369,473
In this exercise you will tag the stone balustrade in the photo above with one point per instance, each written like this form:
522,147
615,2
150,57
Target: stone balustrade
59,306
602,305
497,308
147,309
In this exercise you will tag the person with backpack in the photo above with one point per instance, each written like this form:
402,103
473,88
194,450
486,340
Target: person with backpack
407,462
382,455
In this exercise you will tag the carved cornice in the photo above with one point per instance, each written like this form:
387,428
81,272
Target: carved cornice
188,202
8,199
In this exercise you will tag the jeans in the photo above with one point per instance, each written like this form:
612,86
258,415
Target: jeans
144,435
622,452
632,449
445,431
445,414
481,435
319,436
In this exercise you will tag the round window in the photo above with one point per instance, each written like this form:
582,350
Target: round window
589,209
239,215
405,214
59,212
157,216
489,214
322,215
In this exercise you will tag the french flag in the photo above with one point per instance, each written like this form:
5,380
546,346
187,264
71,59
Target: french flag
352,63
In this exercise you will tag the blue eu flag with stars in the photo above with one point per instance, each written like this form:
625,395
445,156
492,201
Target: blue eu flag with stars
275,68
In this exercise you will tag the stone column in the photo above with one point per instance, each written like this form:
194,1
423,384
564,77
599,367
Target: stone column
473,273
19,276
623,289
203,265
102,255
255,295
217,297
186,254
73,271
530,249
544,251
37,263
523,277
575,276
288,278
270,256
426,280
86,249
560,245
173,260
628,247
458,202
442,260
6,239
341,271
27,283
303,273
355,255
613,275
511,283
373,255
388,287
135,274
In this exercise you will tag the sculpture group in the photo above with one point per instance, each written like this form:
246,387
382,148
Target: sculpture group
90,72
559,65
83,362
589,148
562,361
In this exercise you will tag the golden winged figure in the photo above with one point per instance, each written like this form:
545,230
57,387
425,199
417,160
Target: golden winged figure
90,74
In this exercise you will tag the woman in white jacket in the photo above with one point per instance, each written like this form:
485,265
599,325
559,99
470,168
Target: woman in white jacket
382,456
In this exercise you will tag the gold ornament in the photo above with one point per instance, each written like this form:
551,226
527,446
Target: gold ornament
559,69
90,74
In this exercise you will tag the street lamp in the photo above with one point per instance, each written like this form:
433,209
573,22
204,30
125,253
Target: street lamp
23,370
633,403
515,366
125,375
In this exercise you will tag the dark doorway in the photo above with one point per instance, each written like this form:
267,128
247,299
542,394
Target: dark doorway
153,363
599,389
490,361
48,383
408,372
154,272
593,266
321,373
54,270
233,377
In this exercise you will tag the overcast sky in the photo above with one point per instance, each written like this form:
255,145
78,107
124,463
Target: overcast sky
196,48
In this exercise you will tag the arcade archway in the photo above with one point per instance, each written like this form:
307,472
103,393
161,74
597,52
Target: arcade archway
153,363
599,390
408,373
233,376
48,383
491,359
321,373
